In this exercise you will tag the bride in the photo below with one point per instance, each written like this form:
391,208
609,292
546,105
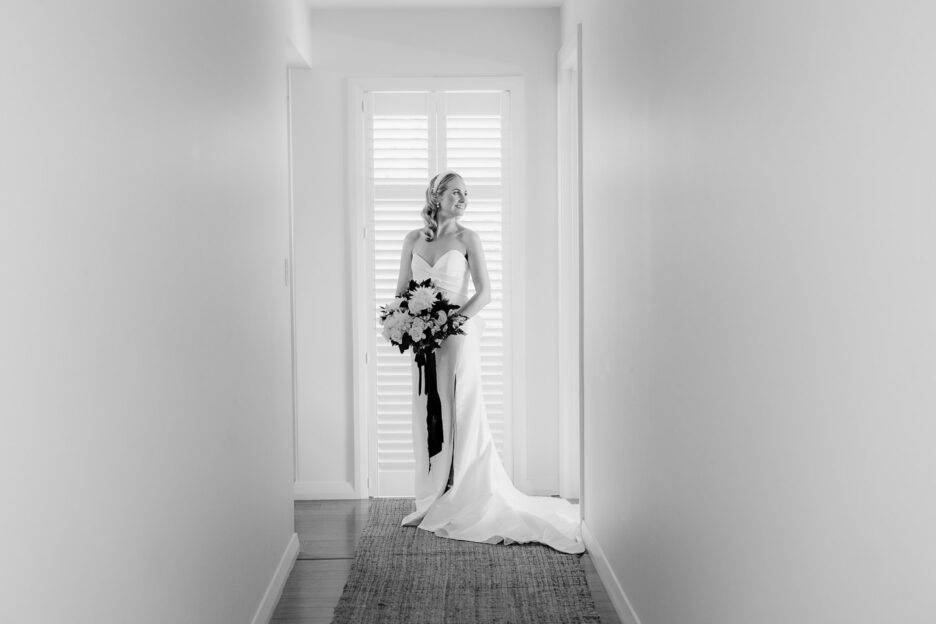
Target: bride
462,490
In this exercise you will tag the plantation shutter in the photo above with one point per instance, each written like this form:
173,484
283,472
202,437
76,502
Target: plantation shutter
409,138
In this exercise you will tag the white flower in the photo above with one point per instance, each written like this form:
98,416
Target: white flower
395,304
392,320
394,326
441,317
422,299
418,328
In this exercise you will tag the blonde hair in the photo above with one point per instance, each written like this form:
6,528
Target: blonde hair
437,185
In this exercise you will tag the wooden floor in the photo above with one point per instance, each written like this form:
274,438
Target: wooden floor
328,533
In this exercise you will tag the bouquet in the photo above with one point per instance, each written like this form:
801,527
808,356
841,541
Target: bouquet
420,319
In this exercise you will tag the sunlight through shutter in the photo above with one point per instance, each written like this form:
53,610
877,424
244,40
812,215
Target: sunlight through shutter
474,146
410,137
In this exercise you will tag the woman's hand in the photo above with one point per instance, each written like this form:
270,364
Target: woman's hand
458,320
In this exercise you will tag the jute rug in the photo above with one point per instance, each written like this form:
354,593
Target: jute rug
405,574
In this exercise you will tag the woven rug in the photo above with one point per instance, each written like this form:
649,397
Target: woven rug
405,574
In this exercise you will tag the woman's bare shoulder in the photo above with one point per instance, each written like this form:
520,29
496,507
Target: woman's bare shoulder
411,238
468,237
467,234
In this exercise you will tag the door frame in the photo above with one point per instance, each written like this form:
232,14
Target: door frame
569,275
363,370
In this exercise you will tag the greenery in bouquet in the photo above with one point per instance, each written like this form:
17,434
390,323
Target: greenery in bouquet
420,319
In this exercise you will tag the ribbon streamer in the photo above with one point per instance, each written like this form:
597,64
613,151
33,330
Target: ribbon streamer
433,402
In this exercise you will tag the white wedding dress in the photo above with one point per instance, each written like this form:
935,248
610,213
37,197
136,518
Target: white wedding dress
482,505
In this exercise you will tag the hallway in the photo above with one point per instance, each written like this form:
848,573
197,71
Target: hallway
758,319
328,532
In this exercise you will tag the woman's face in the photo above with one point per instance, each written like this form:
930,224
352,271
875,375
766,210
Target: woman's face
453,199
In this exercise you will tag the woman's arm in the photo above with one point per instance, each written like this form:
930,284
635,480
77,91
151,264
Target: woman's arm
479,275
406,262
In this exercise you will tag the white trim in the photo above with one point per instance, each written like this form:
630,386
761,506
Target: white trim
274,590
581,276
291,260
568,284
515,265
436,83
622,605
539,486
362,371
516,281
324,490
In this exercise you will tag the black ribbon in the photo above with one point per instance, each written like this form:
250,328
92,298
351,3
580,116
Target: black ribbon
433,402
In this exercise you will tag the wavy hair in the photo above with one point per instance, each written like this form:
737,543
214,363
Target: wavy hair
437,185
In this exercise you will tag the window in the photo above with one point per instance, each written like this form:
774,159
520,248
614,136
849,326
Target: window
409,137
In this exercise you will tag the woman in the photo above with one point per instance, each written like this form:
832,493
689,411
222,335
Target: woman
463,491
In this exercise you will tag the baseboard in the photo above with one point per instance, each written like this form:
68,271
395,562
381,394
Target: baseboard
538,487
275,589
324,490
618,598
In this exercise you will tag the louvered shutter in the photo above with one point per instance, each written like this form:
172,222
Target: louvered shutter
410,137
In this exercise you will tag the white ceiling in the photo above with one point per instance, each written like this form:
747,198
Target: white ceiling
424,4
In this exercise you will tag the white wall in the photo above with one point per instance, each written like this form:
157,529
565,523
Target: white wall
760,351
298,34
145,431
518,42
